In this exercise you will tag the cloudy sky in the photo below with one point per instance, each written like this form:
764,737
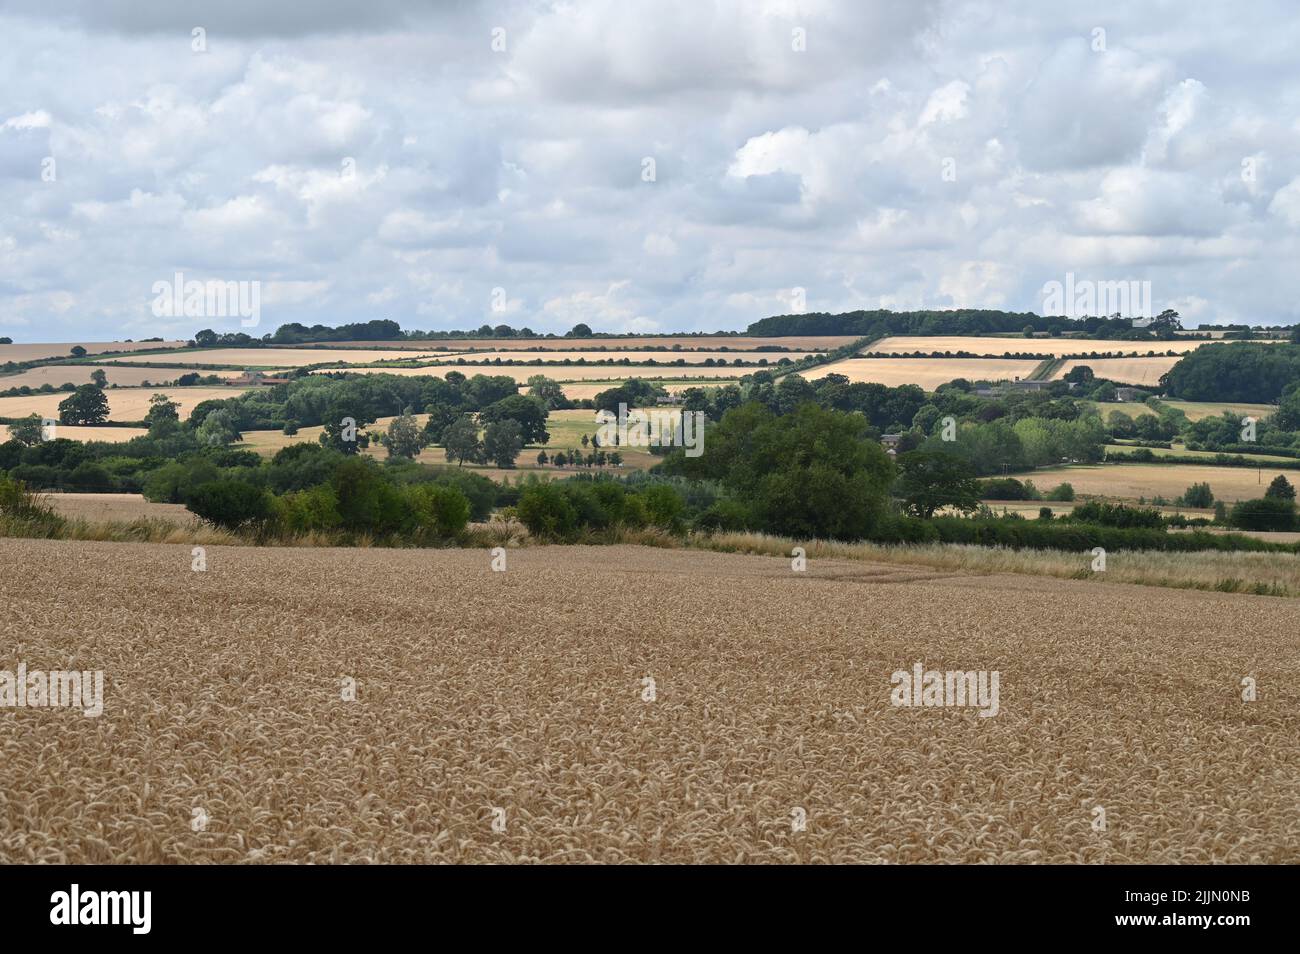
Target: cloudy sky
640,166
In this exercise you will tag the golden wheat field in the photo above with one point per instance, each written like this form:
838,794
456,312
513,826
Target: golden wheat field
927,373
99,508
904,344
521,698
124,404
124,377
561,372
1132,481
1136,371
684,343
36,352
280,357
638,357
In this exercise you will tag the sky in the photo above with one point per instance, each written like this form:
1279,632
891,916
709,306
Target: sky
640,167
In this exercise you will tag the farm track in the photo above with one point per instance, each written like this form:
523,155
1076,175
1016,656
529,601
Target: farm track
523,691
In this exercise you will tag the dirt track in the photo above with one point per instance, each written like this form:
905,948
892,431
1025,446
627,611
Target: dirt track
523,691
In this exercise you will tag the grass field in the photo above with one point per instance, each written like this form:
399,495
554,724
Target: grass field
57,374
37,352
683,343
1135,371
1131,481
124,404
222,692
927,373
1057,347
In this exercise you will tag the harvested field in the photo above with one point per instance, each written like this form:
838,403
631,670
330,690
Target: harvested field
222,692
638,357
684,343
1135,371
124,404
1199,410
57,374
108,435
927,373
522,373
1057,347
1131,481
279,357
37,352
578,390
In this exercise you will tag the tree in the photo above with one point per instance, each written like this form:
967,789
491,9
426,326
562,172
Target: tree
230,504
403,438
1269,513
28,431
1199,495
548,392
86,405
162,409
344,424
579,330
929,480
461,441
529,413
813,473
78,351
1280,489
542,459
99,378
290,427
218,429
1080,374
502,442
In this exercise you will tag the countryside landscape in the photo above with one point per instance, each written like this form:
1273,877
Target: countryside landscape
377,490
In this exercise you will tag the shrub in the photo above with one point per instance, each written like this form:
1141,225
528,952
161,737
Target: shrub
1062,491
231,504
439,510
1199,495
1116,515
1267,513
546,512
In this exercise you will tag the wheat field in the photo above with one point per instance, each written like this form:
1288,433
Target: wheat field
124,404
1135,371
903,344
926,373
682,343
507,717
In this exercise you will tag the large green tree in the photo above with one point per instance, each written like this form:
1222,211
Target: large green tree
812,473
930,480
86,405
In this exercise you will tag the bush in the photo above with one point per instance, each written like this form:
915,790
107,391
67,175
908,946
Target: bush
1062,491
1006,488
231,504
545,510
1267,513
367,503
1116,515
1199,495
439,510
